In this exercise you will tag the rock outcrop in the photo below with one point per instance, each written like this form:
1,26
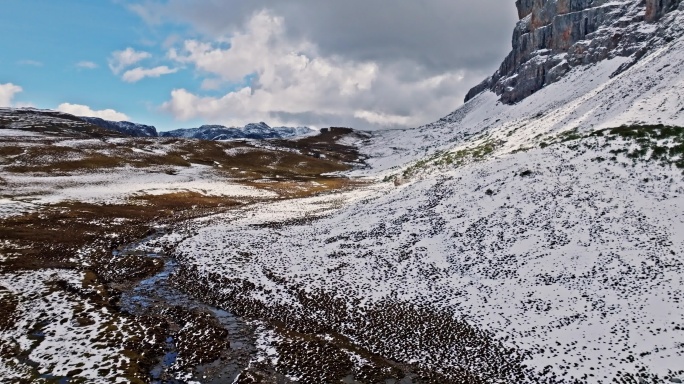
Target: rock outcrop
554,36
655,9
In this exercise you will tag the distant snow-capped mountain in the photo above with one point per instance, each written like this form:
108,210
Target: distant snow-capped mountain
125,127
206,132
250,131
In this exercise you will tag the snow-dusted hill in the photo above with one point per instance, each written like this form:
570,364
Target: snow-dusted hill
24,122
575,263
125,127
527,243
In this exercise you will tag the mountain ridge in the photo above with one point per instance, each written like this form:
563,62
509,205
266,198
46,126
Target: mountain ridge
34,119
259,130
125,127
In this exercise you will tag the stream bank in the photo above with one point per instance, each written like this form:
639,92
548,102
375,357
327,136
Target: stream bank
195,341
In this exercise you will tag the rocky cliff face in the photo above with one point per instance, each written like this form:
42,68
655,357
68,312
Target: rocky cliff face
554,36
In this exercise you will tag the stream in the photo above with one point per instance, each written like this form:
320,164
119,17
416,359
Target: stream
156,292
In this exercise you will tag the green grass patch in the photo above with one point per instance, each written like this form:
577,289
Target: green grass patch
457,158
660,143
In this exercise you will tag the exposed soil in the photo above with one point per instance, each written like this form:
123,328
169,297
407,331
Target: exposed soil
176,332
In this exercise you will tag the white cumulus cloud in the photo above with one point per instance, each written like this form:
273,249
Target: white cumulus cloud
31,63
120,60
381,118
84,110
7,93
139,73
86,65
294,83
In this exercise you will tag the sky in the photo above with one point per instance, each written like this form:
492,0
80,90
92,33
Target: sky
365,64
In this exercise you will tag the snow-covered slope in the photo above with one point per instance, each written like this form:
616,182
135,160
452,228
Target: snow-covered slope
575,264
64,332
553,243
587,98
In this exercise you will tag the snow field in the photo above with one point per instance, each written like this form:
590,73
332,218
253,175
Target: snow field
64,334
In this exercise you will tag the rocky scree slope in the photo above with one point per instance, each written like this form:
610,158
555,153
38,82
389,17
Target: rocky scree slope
554,36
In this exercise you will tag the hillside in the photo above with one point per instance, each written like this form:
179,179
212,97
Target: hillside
534,242
534,235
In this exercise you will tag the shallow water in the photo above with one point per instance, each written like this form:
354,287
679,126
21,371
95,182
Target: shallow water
156,292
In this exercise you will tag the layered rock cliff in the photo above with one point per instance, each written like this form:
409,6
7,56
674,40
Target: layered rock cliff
554,36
